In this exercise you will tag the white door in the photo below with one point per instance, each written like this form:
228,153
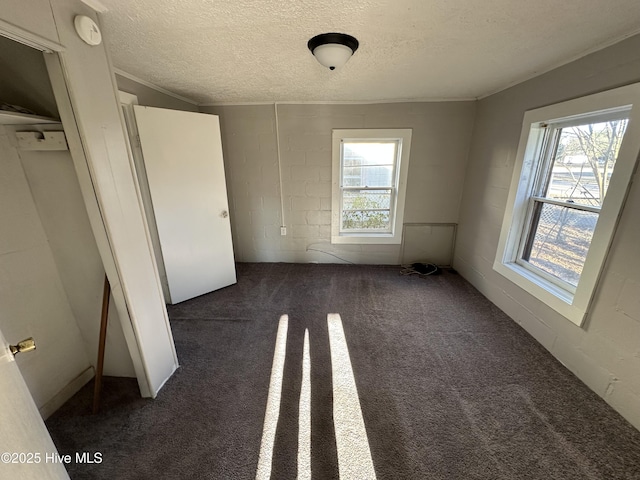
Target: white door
127,101
26,449
183,160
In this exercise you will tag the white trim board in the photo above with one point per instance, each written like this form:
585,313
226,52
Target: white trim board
60,398
29,39
155,87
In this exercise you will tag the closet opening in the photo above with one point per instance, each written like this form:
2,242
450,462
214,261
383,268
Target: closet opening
51,268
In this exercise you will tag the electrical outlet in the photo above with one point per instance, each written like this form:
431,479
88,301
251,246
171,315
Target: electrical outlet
283,231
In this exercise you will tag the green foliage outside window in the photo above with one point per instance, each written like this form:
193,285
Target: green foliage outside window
361,217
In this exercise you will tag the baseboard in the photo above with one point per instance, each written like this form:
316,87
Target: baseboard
66,393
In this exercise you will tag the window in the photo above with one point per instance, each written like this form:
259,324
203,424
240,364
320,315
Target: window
572,173
369,180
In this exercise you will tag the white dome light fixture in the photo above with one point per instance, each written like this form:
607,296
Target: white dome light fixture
333,50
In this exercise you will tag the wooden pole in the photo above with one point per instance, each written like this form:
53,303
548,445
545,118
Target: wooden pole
97,387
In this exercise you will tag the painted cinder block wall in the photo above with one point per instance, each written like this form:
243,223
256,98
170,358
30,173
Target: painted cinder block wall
605,352
440,143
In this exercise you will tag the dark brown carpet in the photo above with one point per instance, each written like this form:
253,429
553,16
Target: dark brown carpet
450,388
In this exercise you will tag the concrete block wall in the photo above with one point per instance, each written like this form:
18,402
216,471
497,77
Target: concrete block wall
605,352
441,136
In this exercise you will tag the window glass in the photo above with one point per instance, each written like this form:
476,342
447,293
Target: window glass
366,209
368,191
583,162
576,175
559,242
571,178
366,167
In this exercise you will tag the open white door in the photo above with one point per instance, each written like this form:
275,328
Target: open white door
185,170
127,101
26,449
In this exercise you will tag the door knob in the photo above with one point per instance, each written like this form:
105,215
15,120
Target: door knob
225,214
25,345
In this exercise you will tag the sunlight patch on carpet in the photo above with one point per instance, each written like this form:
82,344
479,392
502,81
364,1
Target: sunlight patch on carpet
354,455
304,422
352,445
272,412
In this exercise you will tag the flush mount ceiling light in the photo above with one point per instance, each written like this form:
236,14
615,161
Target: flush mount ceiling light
333,50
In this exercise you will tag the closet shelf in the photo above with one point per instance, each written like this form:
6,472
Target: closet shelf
15,118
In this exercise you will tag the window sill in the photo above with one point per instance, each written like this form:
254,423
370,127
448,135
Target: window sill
550,294
367,238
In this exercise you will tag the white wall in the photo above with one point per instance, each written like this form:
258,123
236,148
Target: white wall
605,353
56,194
85,89
440,142
32,295
54,186
26,17
64,298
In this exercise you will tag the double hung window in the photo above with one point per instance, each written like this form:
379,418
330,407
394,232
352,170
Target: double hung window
369,180
573,169
577,161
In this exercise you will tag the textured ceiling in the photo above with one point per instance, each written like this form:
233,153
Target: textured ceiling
216,51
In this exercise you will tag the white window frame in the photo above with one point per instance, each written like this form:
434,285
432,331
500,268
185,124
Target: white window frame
571,303
401,168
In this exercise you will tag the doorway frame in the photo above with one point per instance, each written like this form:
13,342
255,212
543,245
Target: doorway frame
127,101
53,53
55,68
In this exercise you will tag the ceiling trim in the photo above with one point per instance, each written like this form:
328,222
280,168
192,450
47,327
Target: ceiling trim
340,102
597,48
155,87
97,5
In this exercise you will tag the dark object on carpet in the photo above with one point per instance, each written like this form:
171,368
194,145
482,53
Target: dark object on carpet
421,269
450,388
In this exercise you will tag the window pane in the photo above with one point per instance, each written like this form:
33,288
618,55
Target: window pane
584,159
559,240
367,176
366,199
356,154
366,220
366,210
